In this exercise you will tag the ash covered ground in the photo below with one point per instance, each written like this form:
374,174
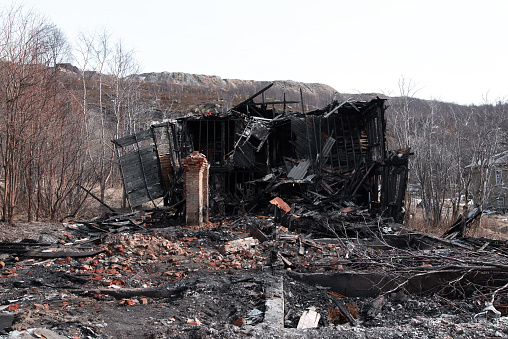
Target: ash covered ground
143,276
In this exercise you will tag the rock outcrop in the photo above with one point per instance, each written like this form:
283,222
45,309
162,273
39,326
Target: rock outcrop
314,94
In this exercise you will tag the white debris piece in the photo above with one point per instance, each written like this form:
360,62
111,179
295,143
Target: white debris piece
309,319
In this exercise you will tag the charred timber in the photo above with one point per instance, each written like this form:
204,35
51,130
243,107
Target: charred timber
320,160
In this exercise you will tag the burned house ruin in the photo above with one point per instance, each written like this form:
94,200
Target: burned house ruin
314,249
317,161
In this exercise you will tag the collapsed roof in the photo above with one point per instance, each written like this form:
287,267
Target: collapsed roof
316,161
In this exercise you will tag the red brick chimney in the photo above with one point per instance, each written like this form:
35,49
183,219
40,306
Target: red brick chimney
196,189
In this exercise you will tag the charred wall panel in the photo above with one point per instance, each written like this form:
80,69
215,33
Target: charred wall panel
140,167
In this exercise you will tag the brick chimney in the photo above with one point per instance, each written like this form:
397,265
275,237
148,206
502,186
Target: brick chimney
196,189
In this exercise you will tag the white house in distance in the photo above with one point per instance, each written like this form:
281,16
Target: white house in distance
496,186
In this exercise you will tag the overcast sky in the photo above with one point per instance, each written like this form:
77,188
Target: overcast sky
454,50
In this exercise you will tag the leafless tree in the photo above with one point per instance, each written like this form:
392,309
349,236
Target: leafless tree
401,117
32,114
488,126
26,55
122,66
445,139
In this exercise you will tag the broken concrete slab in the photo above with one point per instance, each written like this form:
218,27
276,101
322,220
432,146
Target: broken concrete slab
274,304
35,333
238,245
309,319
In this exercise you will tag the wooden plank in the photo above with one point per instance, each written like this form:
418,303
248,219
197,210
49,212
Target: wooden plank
140,200
257,233
141,171
136,163
131,139
132,167
141,196
96,198
251,98
62,254
147,161
134,173
153,176
140,183
144,153
135,166
152,189
139,188
327,147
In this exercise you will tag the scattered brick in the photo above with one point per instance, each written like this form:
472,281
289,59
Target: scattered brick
194,321
85,268
239,322
64,261
118,282
280,204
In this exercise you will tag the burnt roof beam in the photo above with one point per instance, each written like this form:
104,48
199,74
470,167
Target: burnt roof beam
251,98
271,103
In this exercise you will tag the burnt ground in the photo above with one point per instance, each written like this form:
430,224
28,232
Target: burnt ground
156,279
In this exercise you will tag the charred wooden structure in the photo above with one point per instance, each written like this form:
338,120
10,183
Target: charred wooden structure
316,161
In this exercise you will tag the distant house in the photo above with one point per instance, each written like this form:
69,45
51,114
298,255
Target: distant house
497,182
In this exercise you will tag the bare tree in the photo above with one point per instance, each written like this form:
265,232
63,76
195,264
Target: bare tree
403,113
488,125
64,164
401,118
94,53
445,139
41,155
121,67
28,54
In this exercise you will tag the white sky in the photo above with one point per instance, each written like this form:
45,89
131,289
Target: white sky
454,50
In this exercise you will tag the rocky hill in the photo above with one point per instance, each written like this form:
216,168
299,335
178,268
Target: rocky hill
314,94
183,92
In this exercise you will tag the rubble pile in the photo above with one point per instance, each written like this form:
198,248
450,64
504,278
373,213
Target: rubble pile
252,276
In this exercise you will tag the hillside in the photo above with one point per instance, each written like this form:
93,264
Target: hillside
181,92
217,83
195,89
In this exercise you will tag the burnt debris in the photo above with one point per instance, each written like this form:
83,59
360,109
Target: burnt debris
316,162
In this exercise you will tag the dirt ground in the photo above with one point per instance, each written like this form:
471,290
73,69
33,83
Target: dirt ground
170,281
